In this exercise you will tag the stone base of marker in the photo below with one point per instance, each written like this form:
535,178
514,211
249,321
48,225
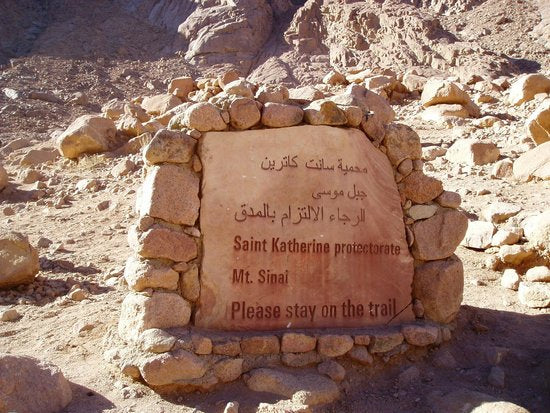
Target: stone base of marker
158,340
187,359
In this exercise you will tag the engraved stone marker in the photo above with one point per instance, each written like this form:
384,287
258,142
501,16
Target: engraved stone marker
302,228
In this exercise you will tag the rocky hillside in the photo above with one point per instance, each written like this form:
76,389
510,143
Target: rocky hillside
289,41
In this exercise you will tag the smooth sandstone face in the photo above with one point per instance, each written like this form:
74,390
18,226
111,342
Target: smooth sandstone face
302,228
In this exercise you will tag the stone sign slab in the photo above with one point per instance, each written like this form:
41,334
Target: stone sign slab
302,228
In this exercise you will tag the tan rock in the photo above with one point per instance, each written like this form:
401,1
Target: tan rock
385,341
324,112
309,389
297,343
181,87
204,117
230,347
278,115
260,345
502,169
334,345
18,260
300,359
437,91
332,369
32,386
479,235
142,274
437,237
87,134
190,285
38,156
533,164
354,115
360,354
155,340
114,108
123,168
3,177
420,335
538,274
163,243
439,285
401,142
334,78
136,111
473,402
472,152
420,188
418,212
160,310
240,87
373,128
538,124
130,126
515,254
168,186
159,104
438,113
510,279
169,368
526,87
228,77
430,153
272,93
357,95
449,199
537,230
244,113
534,294
169,146
506,237
500,211
305,94
176,113
228,370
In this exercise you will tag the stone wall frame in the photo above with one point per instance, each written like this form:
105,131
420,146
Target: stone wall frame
162,346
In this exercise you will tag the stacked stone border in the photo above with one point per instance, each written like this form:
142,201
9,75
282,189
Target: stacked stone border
161,345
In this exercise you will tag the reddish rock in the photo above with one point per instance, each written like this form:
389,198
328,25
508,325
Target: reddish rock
260,345
163,243
420,188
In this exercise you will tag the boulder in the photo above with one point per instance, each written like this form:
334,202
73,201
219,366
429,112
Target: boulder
510,279
368,101
305,94
538,274
142,274
534,294
324,112
537,230
479,235
500,211
114,108
502,169
472,152
260,345
162,243
401,143
308,389
438,113
420,335
462,400
141,312
204,117
385,341
533,164
272,94
244,113
18,260
87,134
3,177
159,104
515,254
240,87
38,156
169,368
361,354
32,386
130,126
538,124
420,188
439,286
190,284
526,87
169,146
181,87
334,345
506,237
297,343
278,115
170,192
438,91
334,78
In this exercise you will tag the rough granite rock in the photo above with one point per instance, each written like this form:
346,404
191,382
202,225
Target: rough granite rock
401,143
142,274
533,164
324,112
334,345
472,152
87,134
169,368
437,237
163,243
420,188
140,312
278,115
3,177
160,104
479,235
18,260
439,286
538,124
169,146
526,87
32,386
309,389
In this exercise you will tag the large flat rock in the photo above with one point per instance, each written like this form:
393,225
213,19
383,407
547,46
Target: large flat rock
302,227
